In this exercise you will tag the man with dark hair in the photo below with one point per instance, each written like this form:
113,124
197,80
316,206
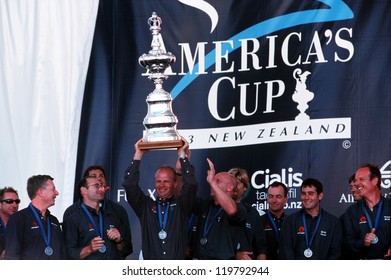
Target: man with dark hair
271,222
110,238
311,233
34,233
367,223
9,205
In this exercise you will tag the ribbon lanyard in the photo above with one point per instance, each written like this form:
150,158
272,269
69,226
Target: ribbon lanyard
89,216
377,219
163,223
274,225
207,225
45,237
315,230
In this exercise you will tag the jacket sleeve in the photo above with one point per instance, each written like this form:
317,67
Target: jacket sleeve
351,239
125,233
190,186
335,250
134,194
14,238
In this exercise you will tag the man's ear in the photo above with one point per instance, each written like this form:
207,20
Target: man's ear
375,181
83,190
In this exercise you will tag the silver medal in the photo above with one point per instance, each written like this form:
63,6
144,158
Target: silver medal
48,251
102,249
308,253
375,240
162,234
203,240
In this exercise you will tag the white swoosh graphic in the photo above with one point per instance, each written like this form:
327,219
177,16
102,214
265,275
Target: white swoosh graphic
206,8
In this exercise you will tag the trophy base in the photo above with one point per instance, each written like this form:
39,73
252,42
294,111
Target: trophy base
160,144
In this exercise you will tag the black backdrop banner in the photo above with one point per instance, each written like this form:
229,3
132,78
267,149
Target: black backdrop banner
285,89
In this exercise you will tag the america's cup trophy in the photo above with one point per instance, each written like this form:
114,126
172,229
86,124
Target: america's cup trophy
160,122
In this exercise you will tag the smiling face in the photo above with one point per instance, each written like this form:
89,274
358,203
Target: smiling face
49,193
165,182
356,190
8,209
276,199
310,198
93,192
364,183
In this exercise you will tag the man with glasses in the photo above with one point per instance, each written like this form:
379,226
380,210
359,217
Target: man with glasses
33,233
112,208
9,205
92,227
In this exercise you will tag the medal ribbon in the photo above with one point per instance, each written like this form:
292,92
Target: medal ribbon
89,216
316,228
377,219
207,225
45,237
163,222
274,225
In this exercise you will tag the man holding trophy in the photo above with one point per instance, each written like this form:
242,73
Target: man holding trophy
164,220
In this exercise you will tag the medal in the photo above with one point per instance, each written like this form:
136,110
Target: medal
48,251
203,240
379,214
99,231
209,223
162,234
163,220
102,249
308,253
46,237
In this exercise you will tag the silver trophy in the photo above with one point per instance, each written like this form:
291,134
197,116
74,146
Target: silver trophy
160,122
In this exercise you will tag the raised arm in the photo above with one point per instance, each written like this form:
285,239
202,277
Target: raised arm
222,185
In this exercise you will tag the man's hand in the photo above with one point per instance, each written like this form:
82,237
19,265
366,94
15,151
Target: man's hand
243,255
138,154
211,172
114,234
184,149
369,237
96,243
